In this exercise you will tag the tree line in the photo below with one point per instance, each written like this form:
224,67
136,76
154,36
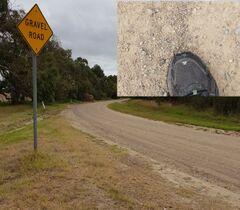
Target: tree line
60,77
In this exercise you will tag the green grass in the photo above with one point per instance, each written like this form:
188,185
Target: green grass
16,136
16,121
24,134
178,114
17,116
35,162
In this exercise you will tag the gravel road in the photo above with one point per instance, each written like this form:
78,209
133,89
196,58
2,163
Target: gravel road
214,158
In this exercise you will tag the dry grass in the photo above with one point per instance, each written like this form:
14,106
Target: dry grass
74,170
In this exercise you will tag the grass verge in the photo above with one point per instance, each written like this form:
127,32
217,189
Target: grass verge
177,114
17,116
73,170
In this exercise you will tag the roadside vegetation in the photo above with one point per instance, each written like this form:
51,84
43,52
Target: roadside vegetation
181,111
73,170
14,117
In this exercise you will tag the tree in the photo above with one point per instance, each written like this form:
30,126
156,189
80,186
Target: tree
98,71
14,63
110,86
3,10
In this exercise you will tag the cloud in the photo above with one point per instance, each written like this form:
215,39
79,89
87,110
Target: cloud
87,27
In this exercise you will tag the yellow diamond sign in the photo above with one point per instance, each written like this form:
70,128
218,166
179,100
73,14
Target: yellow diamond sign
35,29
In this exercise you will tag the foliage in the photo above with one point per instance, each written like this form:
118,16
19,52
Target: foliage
219,105
59,76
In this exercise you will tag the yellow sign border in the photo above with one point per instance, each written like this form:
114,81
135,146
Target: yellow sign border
35,5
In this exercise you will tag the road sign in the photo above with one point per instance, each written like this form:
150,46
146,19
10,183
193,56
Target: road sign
35,29
36,32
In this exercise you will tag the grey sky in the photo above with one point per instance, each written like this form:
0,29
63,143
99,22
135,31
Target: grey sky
87,27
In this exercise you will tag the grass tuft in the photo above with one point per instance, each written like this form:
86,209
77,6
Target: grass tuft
37,161
117,195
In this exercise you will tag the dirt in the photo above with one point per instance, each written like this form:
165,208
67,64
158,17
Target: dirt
150,33
205,162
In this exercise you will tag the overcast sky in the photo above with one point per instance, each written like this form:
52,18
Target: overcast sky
87,27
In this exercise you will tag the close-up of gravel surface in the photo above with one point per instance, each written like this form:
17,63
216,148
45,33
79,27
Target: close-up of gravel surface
151,33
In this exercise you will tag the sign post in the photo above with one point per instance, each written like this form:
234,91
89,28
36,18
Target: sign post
34,82
36,32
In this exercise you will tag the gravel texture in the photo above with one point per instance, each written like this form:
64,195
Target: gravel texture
150,33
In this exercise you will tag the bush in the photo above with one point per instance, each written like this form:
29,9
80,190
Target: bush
227,106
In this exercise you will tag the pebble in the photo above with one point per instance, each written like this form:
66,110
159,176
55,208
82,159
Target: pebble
238,44
226,31
162,61
227,76
143,52
231,60
150,11
237,31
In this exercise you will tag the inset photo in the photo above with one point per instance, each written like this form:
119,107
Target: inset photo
179,48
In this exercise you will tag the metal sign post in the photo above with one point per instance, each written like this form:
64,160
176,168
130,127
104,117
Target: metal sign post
34,83
35,30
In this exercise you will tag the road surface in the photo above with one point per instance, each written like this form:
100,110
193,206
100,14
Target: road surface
212,157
